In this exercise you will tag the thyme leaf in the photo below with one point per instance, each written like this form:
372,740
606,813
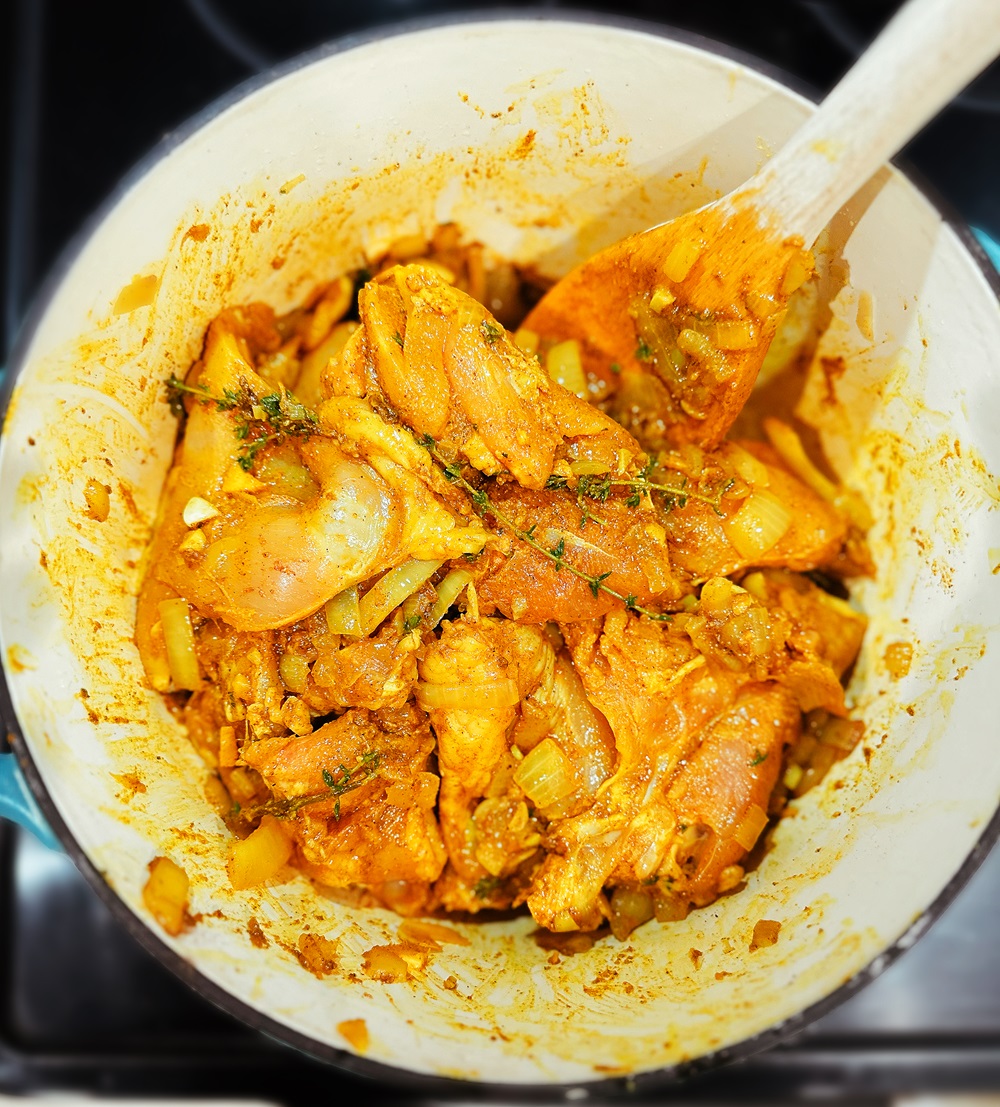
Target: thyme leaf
338,782
484,506
261,418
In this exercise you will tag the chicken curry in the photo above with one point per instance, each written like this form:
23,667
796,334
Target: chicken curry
459,627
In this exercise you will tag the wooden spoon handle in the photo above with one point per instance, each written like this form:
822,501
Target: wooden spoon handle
927,54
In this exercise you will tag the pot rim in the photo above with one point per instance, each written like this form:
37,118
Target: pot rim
250,1016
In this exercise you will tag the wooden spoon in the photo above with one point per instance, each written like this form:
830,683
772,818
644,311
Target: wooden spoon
697,300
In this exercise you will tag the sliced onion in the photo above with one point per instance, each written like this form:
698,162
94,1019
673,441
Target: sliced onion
789,446
468,697
750,468
546,774
749,829
178,638
448,592
423,932
343,615
760,523
587,734
390,591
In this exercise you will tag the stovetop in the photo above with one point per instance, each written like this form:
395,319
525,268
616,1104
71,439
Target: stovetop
82,1006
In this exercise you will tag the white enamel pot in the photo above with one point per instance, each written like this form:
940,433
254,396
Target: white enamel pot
544,139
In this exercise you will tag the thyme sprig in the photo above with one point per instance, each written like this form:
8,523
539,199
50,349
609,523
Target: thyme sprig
261,418
484,506
598,487
339,782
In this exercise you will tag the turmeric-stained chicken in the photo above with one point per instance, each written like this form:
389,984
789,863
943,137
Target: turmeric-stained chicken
467,640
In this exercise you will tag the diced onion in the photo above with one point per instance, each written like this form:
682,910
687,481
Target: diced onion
546,774
697,345
294,671
193,541
260,856
564,365
793,774
237,479
661,299
630,907
749,829
468,697
760,523
730,876
355,1031
165,894
343,615
198,510
98,499
735,334
526,340
681,259
178,638
585,467
448,592
765,933
799,270
384,963
227,747
391,589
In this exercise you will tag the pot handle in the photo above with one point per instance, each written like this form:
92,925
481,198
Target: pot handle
18,804
990,245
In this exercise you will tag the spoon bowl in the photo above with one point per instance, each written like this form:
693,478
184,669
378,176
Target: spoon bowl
696,301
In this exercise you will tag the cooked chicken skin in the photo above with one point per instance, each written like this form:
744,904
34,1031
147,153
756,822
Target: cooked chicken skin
467,639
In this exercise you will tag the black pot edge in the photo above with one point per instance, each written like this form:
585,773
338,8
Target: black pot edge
147,938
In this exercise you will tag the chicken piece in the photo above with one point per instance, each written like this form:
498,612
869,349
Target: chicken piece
720,797
377,822
500,662
624,545
780,522
822,624
755,632
703,750
447,369
373,672
822,637
269,554
437,523
658,693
